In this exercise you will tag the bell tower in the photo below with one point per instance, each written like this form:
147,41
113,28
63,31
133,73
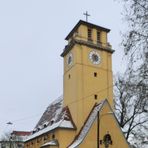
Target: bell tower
87,69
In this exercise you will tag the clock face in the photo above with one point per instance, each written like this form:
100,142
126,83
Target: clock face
94,57
70,59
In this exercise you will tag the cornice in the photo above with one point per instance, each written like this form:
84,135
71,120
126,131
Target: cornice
85,43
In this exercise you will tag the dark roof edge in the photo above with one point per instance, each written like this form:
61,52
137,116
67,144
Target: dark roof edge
87,24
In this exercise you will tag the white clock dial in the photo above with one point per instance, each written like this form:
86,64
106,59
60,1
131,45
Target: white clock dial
94,57
70,59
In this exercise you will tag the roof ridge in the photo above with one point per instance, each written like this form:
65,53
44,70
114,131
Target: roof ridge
55,100
43,119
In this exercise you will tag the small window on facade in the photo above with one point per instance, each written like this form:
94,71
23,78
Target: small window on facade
89,34
45,137
38,141
96,97
95,74
98,37
45,125
53,136
69,76
51,122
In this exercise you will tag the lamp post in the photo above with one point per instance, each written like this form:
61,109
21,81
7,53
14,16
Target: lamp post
10,138
99,119
10,141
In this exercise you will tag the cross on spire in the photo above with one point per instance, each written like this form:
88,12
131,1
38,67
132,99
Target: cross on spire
87,15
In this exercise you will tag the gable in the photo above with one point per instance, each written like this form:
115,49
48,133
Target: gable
101,119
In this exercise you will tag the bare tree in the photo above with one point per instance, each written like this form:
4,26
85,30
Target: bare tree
136,38
131,109
131,88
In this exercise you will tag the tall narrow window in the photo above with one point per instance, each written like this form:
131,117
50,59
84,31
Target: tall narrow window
89,34
95,74
69,76
98,37
53,136
95,97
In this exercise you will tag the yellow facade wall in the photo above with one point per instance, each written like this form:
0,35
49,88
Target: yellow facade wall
80,88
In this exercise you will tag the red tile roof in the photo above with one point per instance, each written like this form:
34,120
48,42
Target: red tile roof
21,133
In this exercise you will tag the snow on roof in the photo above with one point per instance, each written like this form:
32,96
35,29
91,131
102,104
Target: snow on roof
61,124
52,143
85,129
55,116
51,114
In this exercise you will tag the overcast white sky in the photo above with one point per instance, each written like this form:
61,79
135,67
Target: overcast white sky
32,36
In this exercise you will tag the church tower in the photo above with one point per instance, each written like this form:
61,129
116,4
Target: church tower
83,117
87,69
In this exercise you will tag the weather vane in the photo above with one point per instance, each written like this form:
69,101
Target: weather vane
87,15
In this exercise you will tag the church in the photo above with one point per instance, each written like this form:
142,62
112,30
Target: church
83,116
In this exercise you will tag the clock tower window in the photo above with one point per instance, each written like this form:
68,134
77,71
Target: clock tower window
89,34
98,37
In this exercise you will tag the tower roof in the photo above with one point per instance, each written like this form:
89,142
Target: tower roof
81,22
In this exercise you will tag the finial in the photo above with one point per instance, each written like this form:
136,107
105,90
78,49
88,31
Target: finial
87,15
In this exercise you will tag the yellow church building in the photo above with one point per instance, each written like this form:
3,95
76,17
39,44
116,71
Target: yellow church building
83,117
